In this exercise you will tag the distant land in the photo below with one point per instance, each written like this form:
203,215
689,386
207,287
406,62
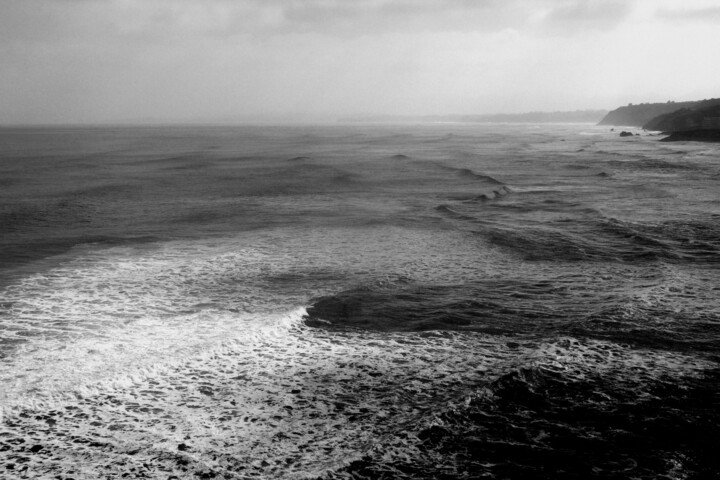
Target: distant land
682,121
639,115
577,116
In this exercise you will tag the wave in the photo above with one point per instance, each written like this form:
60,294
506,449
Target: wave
20,252
550,244
687,241
646,306
113,190
567,409
645,163
292,403
449,211
347,313
91,367
468,173
459,211
658,323
601,239
495,194
579,428
498,306
167,161
426,308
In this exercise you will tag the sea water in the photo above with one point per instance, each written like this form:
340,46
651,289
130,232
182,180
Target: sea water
348,301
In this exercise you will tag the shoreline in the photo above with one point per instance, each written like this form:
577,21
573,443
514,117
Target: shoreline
693,135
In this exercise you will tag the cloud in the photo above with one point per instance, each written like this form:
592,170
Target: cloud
393,16
166,20
95,60
28,21
568,17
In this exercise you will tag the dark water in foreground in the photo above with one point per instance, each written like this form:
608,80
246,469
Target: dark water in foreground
445,301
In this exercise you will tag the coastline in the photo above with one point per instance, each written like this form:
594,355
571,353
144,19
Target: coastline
693,135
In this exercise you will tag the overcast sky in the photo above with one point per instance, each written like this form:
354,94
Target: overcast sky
119,60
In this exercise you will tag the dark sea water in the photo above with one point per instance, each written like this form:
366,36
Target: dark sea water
440,301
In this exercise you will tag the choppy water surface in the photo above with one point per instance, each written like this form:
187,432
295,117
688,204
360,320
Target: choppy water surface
445,301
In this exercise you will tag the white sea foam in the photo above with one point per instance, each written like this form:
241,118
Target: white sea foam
107,311
290,401
113,310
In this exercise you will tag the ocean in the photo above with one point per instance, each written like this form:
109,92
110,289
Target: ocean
448,301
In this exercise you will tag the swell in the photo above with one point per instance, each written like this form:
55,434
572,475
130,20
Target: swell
606,239
696,240
496,307
645,163
459,172
53,226
467,173
649,307
663,325
23,251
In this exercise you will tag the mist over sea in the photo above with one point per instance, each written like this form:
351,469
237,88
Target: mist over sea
448,301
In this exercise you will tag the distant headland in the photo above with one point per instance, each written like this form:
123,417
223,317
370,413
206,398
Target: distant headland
637,115
694,120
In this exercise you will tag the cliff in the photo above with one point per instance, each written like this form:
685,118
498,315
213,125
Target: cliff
639,115
702,123
705,116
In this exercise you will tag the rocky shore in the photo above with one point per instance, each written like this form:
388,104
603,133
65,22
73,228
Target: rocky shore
683,121
693,135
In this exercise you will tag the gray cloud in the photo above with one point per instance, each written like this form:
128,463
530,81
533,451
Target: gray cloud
367,16
571,16
377,16
27,21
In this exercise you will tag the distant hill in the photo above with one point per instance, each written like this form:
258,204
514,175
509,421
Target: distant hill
577,116
640,114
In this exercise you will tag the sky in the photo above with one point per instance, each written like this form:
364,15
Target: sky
100,61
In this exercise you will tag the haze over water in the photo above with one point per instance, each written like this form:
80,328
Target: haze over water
229,61
415,301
